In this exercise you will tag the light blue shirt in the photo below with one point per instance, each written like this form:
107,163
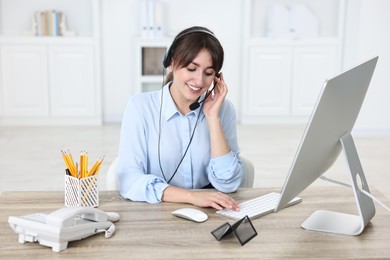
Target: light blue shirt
139,174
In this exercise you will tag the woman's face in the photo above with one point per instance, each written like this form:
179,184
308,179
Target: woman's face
190,82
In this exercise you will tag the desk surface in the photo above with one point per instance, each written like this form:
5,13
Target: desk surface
150,231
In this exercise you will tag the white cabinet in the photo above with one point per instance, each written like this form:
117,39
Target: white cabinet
24,80
285,79
267,90
311,67
72,81
149,70
50,79
283,75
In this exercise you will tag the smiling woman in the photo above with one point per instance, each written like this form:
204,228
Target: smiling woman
192,80
196,147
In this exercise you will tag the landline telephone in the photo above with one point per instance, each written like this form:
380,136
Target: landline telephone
56,229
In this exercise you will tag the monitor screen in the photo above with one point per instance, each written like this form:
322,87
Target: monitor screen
334,116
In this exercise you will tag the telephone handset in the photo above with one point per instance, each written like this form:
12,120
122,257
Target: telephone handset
66,217
56,229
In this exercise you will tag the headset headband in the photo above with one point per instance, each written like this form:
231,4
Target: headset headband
168,54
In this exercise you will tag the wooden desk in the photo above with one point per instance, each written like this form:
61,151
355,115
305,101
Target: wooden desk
151,232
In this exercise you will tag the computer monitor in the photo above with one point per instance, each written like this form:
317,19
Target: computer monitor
327,133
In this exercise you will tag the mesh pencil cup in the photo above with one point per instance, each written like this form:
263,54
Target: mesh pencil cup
81,192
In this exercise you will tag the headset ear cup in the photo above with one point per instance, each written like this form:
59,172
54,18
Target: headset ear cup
166,59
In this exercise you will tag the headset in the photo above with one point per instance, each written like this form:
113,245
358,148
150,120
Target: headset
166,62
168,55
168,58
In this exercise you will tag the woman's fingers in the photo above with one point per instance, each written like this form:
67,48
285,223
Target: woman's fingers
216,200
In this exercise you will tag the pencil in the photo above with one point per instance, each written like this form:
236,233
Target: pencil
82,165
68,163
95,168
72,163
77,171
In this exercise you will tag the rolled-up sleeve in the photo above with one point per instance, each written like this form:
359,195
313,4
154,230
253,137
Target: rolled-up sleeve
225,172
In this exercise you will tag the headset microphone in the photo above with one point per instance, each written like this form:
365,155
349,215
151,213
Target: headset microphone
196,104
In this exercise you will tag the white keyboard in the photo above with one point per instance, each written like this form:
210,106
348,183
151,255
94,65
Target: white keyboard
256,207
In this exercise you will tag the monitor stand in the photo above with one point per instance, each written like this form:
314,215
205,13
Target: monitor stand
341,223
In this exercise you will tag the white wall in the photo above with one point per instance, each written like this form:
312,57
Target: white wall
119,26
372,38
367,35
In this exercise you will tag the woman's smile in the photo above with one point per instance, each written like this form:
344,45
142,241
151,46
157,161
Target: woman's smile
193,88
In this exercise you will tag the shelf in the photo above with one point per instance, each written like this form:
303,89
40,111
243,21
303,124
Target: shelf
46,40
149,54
290,48
152,79
53,67
16,15
327,12
313,41
149,86
152,58
153,42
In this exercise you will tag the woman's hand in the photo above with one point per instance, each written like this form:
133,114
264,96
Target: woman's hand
216,200
214,101
211,108
204,199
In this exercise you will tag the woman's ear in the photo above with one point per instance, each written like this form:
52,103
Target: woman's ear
171,66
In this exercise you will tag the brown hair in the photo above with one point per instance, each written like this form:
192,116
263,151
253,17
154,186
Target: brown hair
187,45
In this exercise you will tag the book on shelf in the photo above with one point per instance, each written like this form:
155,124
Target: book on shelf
151,19
49,23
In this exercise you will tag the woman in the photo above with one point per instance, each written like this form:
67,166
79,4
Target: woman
167,149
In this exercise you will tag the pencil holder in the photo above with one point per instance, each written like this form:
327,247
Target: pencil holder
81,192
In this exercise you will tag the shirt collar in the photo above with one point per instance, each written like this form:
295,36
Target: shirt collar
169,107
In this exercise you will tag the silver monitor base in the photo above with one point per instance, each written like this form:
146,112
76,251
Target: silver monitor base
341,223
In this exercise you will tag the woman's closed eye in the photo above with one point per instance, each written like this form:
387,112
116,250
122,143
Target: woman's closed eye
206,73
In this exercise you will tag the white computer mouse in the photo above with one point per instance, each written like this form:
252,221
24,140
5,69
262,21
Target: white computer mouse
191,214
